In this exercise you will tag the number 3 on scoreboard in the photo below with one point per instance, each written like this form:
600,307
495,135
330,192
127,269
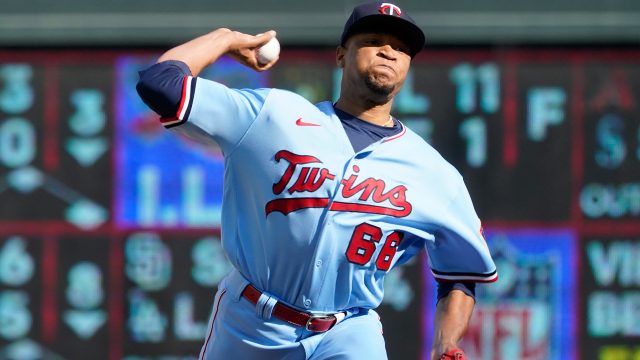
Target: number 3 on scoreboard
363,245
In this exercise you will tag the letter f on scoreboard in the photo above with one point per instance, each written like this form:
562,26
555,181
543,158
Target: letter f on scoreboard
545,108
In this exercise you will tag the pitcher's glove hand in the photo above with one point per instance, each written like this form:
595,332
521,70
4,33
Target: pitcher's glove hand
455,354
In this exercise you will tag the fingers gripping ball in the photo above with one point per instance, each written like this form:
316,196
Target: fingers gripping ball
455,354
268,52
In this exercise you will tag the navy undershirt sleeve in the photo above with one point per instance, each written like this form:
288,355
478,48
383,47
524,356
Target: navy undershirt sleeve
160,86
445,287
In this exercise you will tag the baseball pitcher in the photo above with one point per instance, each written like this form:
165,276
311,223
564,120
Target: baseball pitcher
321,201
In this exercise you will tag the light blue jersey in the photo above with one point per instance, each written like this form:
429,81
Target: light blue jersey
314,224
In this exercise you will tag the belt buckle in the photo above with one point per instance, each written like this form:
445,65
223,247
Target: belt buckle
320,317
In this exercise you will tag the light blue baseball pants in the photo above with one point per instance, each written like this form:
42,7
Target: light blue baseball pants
236,332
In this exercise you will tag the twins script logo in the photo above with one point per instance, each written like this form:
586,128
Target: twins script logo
311,179
391,8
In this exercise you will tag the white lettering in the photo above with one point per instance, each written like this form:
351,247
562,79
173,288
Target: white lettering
409,102
16,264
196,212
545,108
184,326
612,149
148,189
602,314
210,264
597,200
148,261
609,314
630,319
17,142
15,318
89,118
474,130
467,78
147,323
622,258
17,95
85,286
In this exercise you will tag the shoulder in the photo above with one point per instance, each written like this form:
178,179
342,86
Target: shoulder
288,97
429,157
428,166
284,95
210,87
273,97
279,100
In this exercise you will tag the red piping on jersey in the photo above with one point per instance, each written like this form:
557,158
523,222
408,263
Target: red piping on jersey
299,122
371,209
184,96
286,206
212,322
404,130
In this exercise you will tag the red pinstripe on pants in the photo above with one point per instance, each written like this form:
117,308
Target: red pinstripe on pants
217,305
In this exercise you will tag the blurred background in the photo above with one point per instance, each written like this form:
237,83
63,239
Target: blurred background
109,224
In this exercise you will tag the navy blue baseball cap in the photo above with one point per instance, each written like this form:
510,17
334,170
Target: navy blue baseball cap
378,16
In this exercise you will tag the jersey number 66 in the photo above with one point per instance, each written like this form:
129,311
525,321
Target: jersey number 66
363,245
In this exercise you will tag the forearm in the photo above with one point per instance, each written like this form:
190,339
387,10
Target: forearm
202,51
453,313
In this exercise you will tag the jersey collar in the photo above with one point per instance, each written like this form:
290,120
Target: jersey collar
404,130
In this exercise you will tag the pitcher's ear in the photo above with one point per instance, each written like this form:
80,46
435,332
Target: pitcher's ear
340,52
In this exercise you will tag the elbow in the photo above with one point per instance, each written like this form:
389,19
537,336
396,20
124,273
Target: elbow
154,97
147,97
143,89
160,87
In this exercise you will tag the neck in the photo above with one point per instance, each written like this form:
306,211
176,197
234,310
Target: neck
361,108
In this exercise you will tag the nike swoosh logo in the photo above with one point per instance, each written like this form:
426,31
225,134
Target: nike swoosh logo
299,122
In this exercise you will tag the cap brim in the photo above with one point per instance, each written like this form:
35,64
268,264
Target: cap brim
399,27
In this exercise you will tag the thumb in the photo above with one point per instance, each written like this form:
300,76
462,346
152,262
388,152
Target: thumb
262,39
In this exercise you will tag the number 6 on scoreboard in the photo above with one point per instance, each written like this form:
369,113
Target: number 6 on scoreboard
363,244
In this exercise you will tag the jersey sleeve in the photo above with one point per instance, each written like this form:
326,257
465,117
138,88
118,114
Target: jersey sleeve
160,86
459,251
208,111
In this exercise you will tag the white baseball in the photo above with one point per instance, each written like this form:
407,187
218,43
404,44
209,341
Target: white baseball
268,52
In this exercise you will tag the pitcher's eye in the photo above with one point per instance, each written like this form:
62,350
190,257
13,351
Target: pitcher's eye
403,50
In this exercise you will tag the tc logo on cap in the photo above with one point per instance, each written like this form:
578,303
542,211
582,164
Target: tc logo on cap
391,8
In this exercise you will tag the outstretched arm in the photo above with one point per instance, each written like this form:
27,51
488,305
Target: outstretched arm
453,313
205,50
198,108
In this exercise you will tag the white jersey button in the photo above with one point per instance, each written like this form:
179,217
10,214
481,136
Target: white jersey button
318,263
307,302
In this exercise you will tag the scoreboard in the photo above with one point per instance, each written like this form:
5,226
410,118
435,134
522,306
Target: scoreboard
110,225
